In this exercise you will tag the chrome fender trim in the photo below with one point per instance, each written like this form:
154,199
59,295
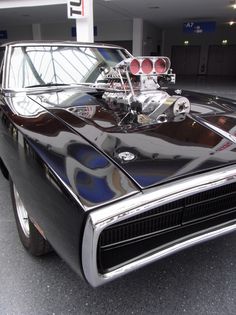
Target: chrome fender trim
101,218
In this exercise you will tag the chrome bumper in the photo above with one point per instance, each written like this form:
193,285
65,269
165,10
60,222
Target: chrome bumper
100,219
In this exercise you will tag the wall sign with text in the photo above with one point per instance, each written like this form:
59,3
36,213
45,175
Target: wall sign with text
75,9
199,27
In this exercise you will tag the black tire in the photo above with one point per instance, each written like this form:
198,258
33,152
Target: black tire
30,237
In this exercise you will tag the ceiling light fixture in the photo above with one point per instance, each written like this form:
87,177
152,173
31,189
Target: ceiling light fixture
232,4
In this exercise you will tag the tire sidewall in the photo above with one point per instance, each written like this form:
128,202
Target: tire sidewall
24,239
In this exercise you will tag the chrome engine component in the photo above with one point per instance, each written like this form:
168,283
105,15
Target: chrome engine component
163,107
133,85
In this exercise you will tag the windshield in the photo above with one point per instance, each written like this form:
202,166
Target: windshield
55,65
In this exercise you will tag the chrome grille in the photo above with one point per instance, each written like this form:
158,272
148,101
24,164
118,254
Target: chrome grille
169,216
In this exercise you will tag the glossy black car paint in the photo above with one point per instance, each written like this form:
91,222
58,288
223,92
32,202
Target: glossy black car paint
57,172
61,148
64,163
162,151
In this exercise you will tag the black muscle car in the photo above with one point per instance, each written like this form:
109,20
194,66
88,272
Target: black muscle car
108,164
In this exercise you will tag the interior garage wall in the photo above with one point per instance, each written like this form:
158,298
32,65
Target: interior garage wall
151,39
176,37
115,33
114,30
21,32
106,31
57,31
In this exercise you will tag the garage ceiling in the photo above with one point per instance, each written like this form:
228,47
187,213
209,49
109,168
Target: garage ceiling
163,13
168,12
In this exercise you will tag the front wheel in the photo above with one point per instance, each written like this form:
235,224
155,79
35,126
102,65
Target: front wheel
30,237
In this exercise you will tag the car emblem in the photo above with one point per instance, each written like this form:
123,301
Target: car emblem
126,156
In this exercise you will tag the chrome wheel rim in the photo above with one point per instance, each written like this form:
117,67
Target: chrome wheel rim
21,213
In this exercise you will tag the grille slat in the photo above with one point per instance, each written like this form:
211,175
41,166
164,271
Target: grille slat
134,237
138,231
219,205
196,207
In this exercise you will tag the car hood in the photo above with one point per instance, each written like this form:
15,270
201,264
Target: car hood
152,154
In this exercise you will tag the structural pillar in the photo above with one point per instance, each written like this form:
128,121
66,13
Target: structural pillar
36,31
137,37
163,38
85,25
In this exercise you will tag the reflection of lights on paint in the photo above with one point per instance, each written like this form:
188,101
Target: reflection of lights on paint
186,42
224,42
231,23
234,6
84,111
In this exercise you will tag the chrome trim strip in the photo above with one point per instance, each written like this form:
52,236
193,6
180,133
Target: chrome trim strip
4,69
100,219
61,43
7,66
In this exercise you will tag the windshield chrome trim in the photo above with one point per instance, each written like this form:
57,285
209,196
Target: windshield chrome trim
4,69
7,67
100,219
70,44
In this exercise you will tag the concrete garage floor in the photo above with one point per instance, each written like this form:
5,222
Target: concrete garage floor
199,280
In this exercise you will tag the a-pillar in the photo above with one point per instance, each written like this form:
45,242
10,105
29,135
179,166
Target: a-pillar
137,37
85,26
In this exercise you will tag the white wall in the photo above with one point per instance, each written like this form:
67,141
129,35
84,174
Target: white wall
58,31
114,31
106,31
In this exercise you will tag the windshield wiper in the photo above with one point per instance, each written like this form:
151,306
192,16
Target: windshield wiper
90,88
51,84
47,84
